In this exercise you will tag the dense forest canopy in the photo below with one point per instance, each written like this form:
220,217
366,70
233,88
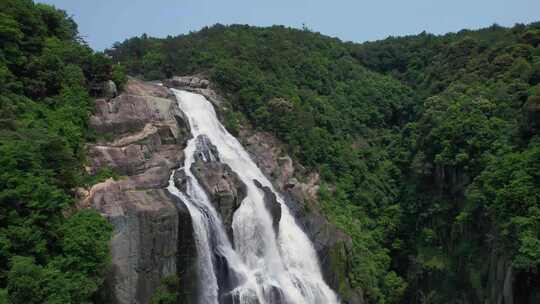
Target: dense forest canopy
427,145
49,251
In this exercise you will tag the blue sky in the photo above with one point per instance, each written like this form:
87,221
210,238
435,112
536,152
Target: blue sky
103,22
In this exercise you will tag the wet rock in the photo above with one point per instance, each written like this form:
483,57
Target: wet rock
186,254
271,204
228,279
184,130
205,151
274,294
222,185
180,179
224,188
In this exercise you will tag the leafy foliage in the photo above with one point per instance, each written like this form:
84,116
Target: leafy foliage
426,144
46,75
168,292
466,159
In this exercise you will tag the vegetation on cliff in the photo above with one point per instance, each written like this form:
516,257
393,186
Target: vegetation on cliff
471,186
49,253
427,145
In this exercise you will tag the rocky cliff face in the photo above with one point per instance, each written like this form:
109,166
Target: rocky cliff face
145,135
500,279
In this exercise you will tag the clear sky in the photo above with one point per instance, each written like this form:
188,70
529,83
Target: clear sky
103,22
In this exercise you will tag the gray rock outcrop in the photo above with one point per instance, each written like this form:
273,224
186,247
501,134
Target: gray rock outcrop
190,82
222,185
143,134
180,179
196,84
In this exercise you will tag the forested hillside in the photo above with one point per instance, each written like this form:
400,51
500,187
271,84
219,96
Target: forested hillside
470,160
49,252
427,145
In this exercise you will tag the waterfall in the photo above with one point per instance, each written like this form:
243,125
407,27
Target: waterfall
262,268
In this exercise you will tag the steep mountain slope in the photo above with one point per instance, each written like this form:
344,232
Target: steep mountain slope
478,226
430,169
311,93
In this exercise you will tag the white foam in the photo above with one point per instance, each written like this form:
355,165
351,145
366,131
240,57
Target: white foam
267,265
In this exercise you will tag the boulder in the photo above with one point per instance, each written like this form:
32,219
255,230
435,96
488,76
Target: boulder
180,82
109,89
222,185
180,179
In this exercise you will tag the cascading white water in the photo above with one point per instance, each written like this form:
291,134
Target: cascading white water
266,268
